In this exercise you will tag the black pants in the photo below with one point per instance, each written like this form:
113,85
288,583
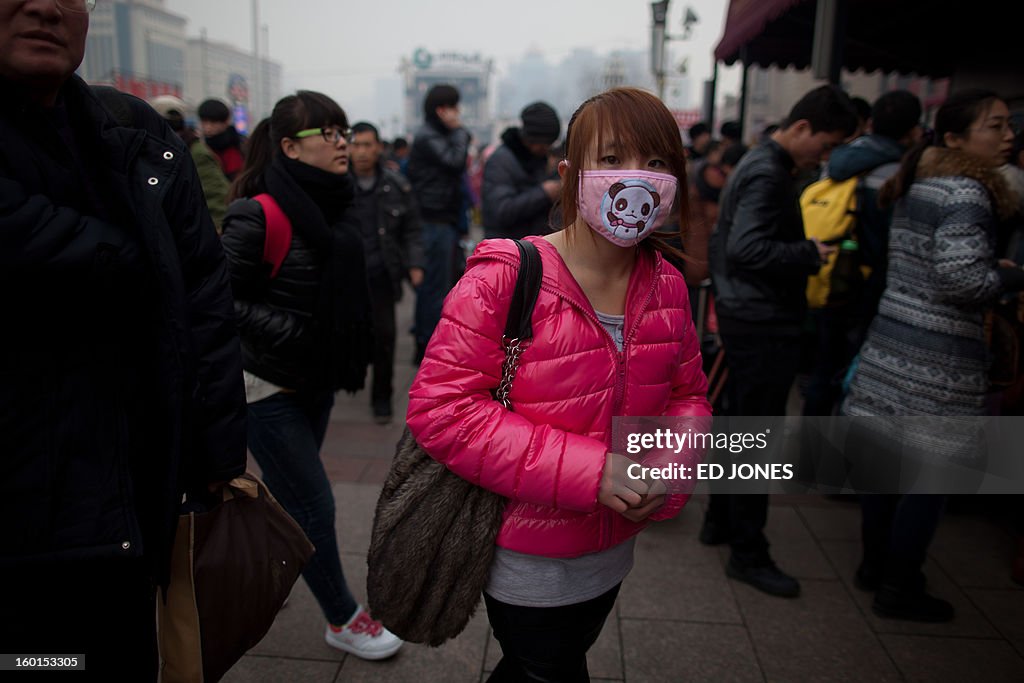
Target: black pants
382,295
102,609
839,334
546,644
761,372
897,530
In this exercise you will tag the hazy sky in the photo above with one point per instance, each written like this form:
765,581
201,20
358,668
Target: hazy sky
341,47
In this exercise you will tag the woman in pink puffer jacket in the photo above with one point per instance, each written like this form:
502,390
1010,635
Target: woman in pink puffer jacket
613,337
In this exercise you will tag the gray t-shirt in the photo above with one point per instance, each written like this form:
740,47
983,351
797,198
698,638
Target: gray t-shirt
536,581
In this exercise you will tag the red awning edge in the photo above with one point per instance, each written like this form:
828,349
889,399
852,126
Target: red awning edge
745,21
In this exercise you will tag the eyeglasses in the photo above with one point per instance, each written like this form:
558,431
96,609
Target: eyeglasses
999,128
330,135
77,5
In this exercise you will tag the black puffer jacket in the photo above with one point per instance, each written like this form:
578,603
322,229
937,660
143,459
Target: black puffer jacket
300,331
437,161
120,372
758,255
514,203
398,227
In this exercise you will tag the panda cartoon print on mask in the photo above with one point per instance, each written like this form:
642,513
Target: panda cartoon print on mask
624,207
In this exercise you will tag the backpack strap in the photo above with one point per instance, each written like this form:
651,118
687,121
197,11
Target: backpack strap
278,233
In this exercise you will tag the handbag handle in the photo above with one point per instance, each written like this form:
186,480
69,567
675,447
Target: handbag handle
519,325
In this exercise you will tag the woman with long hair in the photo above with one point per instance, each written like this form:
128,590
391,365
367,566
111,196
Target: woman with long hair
305,328
612,337
925,354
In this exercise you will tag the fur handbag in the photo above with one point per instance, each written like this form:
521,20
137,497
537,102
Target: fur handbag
433,532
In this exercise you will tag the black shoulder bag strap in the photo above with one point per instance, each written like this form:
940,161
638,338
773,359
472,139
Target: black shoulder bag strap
519,325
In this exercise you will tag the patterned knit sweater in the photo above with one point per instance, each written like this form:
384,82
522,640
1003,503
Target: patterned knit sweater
925,353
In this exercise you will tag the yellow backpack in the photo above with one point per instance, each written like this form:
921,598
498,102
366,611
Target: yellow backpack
829,211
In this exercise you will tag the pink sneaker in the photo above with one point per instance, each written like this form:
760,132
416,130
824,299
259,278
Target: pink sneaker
363,637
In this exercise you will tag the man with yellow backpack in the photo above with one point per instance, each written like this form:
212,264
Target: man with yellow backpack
842,209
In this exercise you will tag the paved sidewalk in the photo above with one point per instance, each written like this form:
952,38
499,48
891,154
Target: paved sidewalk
678,617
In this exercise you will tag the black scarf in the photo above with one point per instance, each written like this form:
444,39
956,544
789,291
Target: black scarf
530,162
316,203
226,139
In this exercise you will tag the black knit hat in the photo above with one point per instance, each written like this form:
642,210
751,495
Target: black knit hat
540,124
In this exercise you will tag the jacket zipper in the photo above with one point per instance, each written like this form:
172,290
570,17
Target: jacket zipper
620,369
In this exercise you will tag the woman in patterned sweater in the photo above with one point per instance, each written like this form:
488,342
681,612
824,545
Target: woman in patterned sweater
925,354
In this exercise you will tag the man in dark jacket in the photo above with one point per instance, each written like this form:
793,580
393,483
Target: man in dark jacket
121,375
895,125
518,189
222,137
437,163
759,261
390,225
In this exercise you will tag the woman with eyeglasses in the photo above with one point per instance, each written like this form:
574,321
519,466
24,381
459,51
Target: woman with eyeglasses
926,354
303,313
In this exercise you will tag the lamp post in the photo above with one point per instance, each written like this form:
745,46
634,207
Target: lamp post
659,14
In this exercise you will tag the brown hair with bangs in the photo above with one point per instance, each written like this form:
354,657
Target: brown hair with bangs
642,126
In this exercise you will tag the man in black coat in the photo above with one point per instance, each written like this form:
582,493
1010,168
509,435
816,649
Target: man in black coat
437,164
518,187
120,372
759,260
390,226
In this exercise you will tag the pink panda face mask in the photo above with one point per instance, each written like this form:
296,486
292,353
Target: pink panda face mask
625,206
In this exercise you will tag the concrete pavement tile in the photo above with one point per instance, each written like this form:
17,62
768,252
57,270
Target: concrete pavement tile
820,636
969,622
974,552
672,652
376,472
459,660
259,669
1004,609
298,631
954,659
801,558
839,522
677,578
344,469
785,523
354,507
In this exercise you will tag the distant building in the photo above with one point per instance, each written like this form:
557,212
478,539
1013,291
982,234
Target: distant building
137,46
215,69
772,92
471,74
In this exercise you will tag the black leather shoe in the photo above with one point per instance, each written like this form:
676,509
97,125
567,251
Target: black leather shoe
867,579
713,534
911,605
766,578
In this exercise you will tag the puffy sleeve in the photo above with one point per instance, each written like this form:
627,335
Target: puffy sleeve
454,417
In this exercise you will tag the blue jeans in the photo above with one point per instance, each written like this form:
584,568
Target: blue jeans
285,433
440,242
